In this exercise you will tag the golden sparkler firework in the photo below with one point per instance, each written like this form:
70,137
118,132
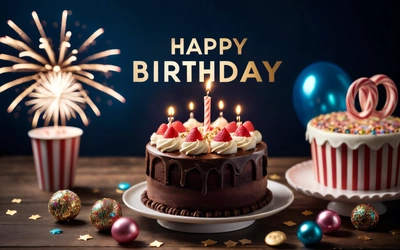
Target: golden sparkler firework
45,69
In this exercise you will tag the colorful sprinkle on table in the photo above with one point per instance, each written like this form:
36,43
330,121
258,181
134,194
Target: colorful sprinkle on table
15,200
156,243
209,242
230,243
307,213
364,238
289,223
11,212
124,186
274,177
85,237
246,241
35,217
56,231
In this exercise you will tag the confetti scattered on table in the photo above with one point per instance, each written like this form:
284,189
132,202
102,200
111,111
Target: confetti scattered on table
119,191
209,242
230,243
364,238
15,200
56,231
395,231
307,213
95,190
156,243
11,212
35,217
124,186
289,223
245,241
85,237
275,177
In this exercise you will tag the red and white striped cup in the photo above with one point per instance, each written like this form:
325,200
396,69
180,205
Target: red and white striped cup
362,168
55,152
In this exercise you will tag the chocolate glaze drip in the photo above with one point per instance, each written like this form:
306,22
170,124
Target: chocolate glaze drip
206,163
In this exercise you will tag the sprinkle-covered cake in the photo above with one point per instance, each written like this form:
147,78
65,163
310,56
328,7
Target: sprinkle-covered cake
213,174
358,150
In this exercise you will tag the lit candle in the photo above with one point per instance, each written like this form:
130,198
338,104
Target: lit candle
207,108
221,107
238,110
171,113
191,107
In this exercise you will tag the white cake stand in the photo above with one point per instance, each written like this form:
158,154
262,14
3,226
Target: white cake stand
282,198
301,178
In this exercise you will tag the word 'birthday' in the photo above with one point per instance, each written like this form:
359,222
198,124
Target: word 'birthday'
228,71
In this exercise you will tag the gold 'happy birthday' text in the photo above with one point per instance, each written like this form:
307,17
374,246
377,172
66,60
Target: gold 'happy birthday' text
172,68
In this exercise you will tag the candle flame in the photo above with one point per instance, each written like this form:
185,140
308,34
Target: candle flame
221,105
208,86
238,109
191,106
171,111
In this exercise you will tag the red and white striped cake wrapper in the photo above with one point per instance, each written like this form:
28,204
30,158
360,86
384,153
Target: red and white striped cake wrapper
55,152
362,168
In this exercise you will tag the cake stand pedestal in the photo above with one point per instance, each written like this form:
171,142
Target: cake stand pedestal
204,228
282,198
301,178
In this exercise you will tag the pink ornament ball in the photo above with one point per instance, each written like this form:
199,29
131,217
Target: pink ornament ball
329,221
125,230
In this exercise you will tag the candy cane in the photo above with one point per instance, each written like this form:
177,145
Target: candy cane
391,95
368,95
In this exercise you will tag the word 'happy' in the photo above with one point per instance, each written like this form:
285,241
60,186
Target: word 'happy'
228,71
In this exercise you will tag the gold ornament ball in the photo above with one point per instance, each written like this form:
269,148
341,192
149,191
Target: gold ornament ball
64,205
275,238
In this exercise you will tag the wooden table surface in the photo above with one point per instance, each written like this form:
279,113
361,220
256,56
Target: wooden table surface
18,180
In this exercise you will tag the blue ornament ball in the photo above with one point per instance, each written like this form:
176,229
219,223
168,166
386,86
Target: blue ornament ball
309,233
320,88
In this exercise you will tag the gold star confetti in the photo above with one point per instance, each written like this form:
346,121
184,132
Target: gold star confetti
289,223
156,243
275,177
95,190
15,200
364,238
246,241
209,242
35,217
11,212
119,191
307,213
230,243
85,237
395,231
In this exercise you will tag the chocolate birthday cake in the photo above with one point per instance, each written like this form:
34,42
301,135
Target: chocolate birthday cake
216,174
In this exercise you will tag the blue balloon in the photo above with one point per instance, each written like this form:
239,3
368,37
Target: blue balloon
320,88
309,233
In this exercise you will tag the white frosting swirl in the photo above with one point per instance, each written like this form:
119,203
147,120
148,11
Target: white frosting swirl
194,148
168,144
245,143
154,138
257,135
224,148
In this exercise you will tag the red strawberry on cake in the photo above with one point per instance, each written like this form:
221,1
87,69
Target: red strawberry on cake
194,143
158,134
231,127
178,126
223,143
243,138
256,133
171,141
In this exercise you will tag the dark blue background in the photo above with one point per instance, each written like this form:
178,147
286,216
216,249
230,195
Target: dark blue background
359,37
